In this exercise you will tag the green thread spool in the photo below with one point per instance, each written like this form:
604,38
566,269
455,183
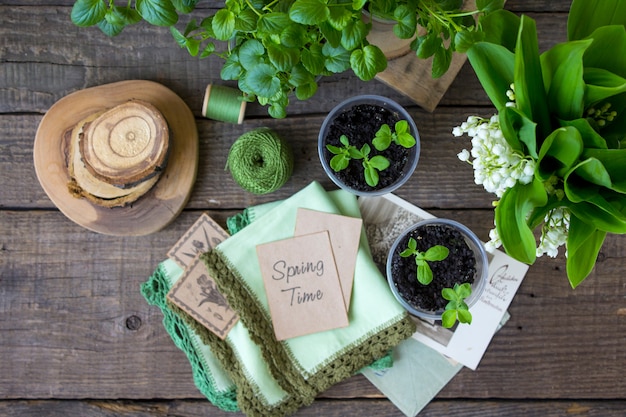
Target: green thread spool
260,161
223,103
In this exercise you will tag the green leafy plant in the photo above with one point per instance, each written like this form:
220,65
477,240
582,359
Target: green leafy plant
440,27
564,112
432,254
400,136
279,49
457,308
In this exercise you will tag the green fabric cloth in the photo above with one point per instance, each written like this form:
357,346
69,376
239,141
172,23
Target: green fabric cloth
275,378
208,374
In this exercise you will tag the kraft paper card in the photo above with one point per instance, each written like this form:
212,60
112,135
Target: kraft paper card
302,285
201,237
197,294
345,235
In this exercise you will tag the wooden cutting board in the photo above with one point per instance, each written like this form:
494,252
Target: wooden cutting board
154,210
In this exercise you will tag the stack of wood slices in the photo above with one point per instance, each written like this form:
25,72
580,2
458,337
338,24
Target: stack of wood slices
117,155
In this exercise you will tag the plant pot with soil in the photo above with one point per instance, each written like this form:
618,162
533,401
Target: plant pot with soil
437,269
369,145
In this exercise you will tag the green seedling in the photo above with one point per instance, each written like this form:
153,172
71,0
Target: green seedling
433,254
457,307
400,136
343,154
372,165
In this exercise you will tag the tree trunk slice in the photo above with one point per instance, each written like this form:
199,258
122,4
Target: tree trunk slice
157,207
126,145
83,184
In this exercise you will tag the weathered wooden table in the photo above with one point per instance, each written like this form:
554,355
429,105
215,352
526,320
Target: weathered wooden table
76,336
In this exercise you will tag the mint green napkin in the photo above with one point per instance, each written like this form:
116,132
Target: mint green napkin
272,377
208,374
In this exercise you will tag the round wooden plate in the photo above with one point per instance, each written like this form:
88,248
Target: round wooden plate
154,210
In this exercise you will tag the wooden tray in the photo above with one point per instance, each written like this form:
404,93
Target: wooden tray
154,210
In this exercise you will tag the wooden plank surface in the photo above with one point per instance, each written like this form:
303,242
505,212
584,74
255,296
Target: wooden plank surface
76,336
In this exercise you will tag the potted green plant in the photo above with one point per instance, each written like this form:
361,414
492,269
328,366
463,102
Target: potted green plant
278,49
554,152
437,269
369,145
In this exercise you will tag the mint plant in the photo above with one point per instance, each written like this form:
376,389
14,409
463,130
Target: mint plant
432,254
457,308
400,136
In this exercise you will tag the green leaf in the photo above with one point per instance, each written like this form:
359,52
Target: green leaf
340,17
591,138
608,50
251,54
562,69
306,91
464,40
88,12
309,12
530,94
464,290
263,81
231,69
449,294
424,274
382,139
500,28
582,183
313,59
428,45
494,66
448,318
367,62
224,24
353,34
614,162
464,316
510,218
602,84
584,242
157,12
184,6
436,253
299,76
585,16
518,130
489,6
602,214
407,22
110,29
379,162
337,59
371,175
246,21
294,36
122,16
339,162
277,110
559,152
284,59
273,23
441,61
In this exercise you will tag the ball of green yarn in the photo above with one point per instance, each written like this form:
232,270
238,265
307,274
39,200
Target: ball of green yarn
260,161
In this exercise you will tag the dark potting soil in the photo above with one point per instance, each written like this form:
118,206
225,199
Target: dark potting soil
360,124
458,268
